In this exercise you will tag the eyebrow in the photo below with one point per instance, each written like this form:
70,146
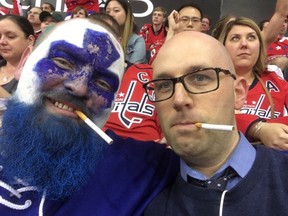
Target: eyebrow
113,8
67,48
165,75
249,33
191,17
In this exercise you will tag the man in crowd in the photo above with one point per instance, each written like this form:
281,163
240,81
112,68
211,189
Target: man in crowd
196,92
48,18
33,17
155,31
206,24
278,50
52,163
47,6
187,18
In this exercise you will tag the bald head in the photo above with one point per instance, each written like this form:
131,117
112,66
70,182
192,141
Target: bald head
193,47
194,82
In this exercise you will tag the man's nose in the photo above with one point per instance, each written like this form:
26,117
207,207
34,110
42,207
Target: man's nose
78,85
190,22
181,97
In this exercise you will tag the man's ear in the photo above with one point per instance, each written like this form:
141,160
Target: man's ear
23,59
241,90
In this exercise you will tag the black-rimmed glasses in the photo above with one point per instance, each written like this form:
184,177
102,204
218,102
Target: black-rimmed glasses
197,82
186,19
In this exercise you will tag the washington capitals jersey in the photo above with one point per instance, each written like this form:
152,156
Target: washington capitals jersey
149,35
257,102
278,48
154,49
133,114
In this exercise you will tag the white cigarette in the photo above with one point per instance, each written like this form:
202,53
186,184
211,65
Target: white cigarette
215,126
101,133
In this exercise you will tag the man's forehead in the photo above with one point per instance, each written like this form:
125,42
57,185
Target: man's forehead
190,11
89,40
203,51
158,12
73,31
35,9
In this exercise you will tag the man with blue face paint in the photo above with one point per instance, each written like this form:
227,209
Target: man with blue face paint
52,163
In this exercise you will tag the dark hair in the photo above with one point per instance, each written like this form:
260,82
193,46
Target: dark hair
207,17
107,18
51,6
124,3
20,21
129,26
261,24
193,5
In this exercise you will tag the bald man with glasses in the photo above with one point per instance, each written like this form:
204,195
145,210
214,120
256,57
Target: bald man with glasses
196,92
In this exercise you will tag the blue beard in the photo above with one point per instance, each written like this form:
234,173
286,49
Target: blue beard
55,154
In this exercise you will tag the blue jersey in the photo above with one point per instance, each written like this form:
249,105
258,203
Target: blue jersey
128,177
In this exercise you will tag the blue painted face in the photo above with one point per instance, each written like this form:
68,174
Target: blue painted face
85,67
82,74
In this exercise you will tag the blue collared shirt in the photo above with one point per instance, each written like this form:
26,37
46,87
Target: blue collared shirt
241,160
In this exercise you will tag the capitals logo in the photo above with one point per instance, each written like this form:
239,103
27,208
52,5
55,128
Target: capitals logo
132,105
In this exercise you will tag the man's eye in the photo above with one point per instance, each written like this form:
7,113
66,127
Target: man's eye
163,86
63,63
197,79
102,84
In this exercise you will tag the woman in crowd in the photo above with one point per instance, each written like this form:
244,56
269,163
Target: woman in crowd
79,12
16,35
91,6
133,44
267,97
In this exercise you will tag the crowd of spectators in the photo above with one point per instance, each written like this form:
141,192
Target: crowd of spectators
258,53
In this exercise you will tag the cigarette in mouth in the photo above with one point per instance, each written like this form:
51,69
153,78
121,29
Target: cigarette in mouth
101,133
215,126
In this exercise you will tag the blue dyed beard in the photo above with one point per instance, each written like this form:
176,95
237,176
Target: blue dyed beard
55,154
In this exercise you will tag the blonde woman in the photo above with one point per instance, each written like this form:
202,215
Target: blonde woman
267,97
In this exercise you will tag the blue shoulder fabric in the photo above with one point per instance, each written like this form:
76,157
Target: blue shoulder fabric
125,181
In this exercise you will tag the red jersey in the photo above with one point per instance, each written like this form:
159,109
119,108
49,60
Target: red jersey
257,102
278,48
133,114
150,37
257,105
154,49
